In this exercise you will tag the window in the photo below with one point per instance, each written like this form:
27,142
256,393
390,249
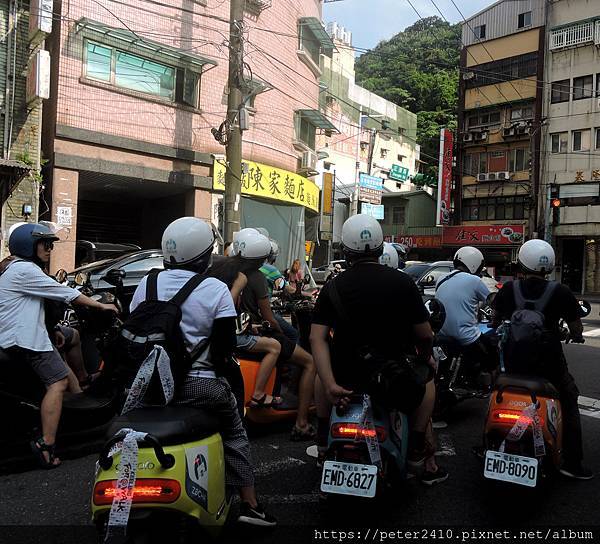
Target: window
524,19
490,73
401,131
144,265
384,153
583,87
560,142
598,85
581,140
129,71
517,114
495,209
437,273
309,43
561,91
480,32
305,131
598,138
398,215
519,160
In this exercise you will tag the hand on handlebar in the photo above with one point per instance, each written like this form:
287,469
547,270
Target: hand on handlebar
110,308
337,395
577,339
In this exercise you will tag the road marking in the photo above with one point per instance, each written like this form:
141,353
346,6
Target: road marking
312,451
592,333
264,469
445,445
589,407
301,498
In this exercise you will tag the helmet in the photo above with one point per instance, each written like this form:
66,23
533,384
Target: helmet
389,257
23,239
470,257
188,243
236,237
263,231
253,245
274,251
537,256
362,236
437,314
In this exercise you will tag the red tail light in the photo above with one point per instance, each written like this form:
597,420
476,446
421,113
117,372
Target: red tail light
498,286
145,490
356,432
510,417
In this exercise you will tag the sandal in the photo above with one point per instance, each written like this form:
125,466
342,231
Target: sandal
38,447
300,435
262,402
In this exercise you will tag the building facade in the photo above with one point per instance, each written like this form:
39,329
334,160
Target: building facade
23,67
134,101
571,146
500,112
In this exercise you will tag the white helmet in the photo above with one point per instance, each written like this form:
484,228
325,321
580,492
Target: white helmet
362,235
253,245
274,251
389,257
188,241
537,256
263,231
470,257
236,237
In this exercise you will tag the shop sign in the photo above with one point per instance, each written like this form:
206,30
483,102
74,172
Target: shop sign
421,242
370,182
486,235
64,216
399,173
374,210
445,177
369,195
272,183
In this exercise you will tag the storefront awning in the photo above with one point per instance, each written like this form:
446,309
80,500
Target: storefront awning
320,34
11,173
134,43
316,118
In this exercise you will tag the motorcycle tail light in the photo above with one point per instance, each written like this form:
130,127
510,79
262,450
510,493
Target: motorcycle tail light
498,286
146,490
355,431
510,417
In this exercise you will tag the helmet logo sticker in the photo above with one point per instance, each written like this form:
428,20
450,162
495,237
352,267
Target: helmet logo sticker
543,260
386,258
171,245
242,245
366,235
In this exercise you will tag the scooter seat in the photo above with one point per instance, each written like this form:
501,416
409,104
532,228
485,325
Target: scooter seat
83,401
536,385
170,425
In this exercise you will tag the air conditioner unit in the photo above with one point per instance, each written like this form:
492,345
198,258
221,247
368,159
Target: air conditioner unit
308,161
480,136
492,176
468,137
507,132
482,177
503,175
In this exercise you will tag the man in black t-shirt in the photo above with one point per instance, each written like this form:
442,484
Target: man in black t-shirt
536,259
376,308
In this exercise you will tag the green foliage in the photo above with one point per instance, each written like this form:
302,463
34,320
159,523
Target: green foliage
418,70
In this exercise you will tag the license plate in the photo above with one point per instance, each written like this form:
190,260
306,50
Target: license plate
349,479
511,468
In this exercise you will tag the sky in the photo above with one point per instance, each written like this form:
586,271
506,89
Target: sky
371,21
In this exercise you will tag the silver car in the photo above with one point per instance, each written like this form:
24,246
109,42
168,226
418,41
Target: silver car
321,273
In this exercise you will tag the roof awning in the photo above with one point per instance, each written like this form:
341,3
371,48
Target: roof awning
316,118
132,42
324,39
11,173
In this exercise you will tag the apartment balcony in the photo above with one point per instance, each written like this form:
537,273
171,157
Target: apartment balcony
575,35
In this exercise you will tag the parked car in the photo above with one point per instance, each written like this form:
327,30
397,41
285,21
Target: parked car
90,252
321,273
135,265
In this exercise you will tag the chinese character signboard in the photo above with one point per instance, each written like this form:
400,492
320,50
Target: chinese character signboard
327,193
374,210
420,241
272,183
370,189
445,177
399,173
486,235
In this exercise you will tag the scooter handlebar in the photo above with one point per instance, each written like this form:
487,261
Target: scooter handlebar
165,459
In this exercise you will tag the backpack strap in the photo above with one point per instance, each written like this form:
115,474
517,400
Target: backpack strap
446,278
152,286
188,288
538,304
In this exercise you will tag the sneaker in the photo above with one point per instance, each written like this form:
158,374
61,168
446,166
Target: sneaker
577,472
416,457
255,516
432,478
439,424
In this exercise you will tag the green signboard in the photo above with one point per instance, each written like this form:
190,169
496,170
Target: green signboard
399,173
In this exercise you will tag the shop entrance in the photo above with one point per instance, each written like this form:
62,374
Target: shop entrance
572,263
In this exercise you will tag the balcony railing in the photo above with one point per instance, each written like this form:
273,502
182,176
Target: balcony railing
572,36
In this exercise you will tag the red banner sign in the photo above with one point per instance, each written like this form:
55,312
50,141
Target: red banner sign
445,177
418,241
486,235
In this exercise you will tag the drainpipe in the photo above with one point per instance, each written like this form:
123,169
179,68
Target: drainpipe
9,92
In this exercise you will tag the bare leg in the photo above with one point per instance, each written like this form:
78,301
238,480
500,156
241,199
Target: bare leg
73,386
51,409
74,358
248,494
307,384
421,417
271,348
430,464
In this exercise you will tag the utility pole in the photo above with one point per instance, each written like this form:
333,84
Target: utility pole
354,206
233,173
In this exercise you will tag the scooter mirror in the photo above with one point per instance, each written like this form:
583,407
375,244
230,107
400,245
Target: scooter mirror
115,276
61,275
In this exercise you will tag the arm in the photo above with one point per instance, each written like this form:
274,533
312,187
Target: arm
222,340
576,329
82,300
238,286
264,306
423,340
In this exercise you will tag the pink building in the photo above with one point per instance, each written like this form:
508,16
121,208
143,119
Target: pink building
138,85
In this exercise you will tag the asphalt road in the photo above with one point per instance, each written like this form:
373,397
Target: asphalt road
55,504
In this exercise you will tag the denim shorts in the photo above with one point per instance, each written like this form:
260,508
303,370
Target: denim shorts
246,341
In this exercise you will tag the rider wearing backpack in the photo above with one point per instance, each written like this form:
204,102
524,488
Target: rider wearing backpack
534,307
207,313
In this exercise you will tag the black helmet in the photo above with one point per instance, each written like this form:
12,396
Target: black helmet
437,314
24,239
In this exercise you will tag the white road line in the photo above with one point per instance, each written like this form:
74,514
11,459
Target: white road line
301,498
445,445
592,333
589,407
264,469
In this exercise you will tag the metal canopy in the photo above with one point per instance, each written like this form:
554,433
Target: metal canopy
324,39
11,173
131,41
316,118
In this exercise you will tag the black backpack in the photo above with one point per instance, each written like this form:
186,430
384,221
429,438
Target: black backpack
154,323
528,341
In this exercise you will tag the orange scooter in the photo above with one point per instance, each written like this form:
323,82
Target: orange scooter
523,430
